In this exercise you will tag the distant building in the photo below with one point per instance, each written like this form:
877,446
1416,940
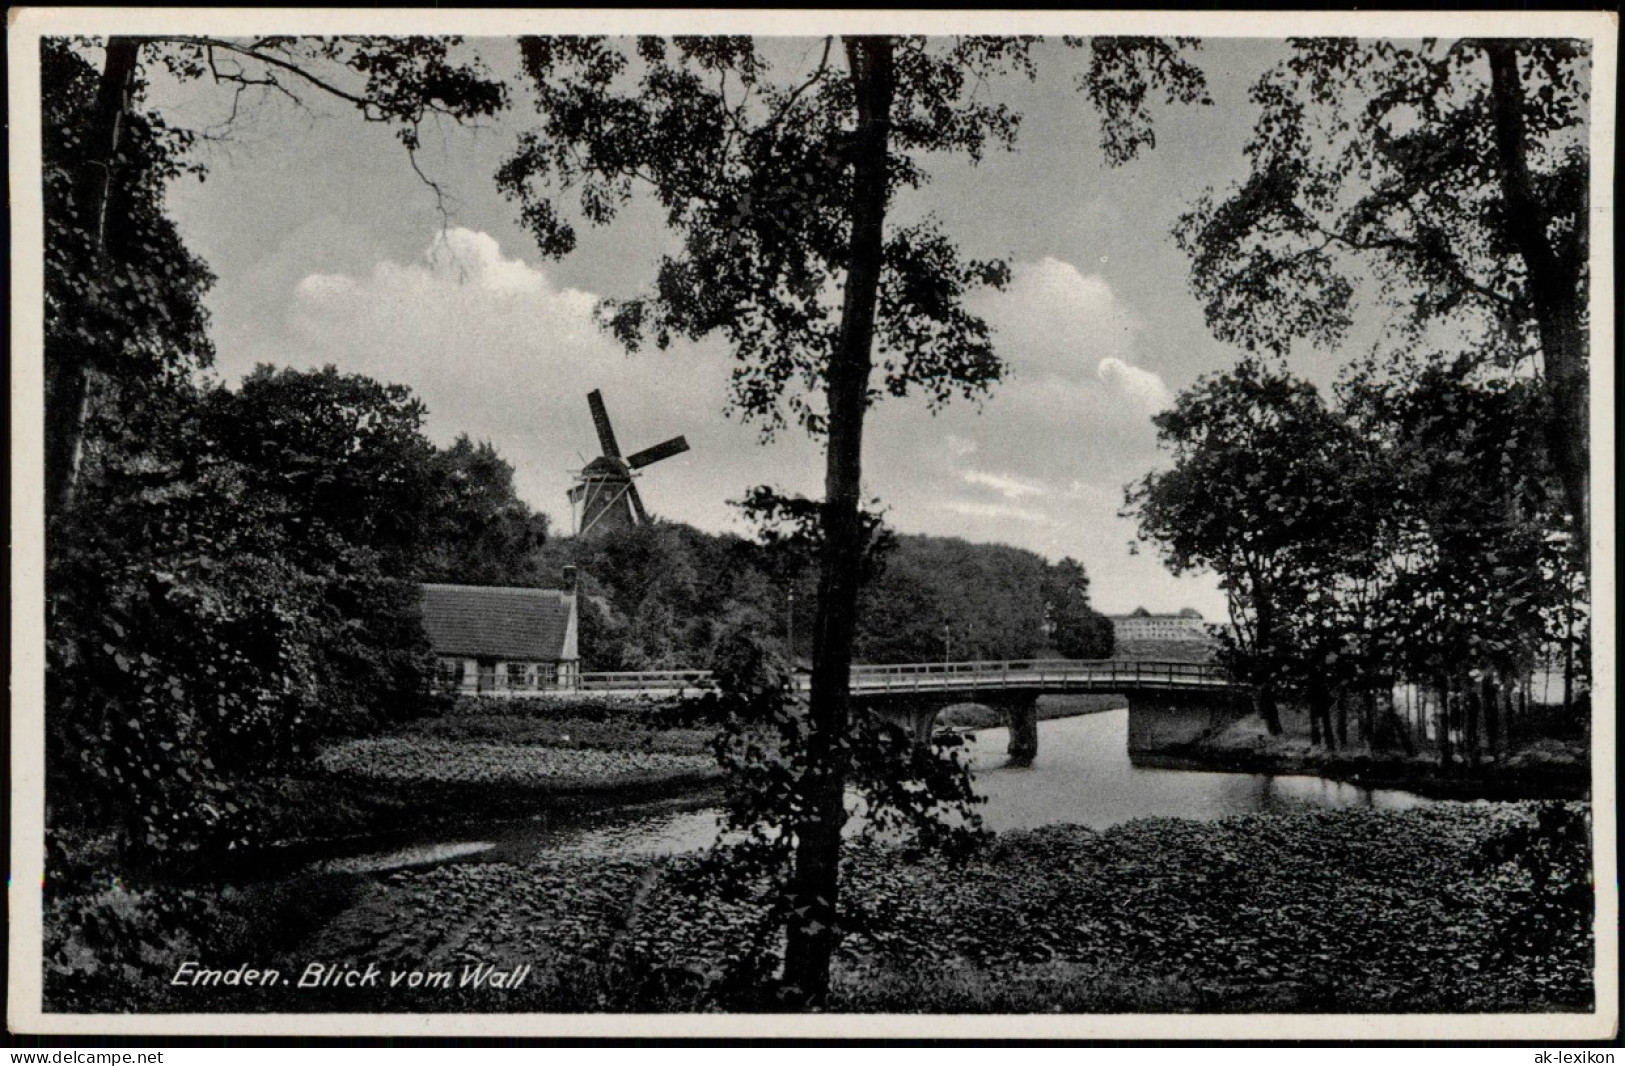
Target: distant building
503,641
1143,625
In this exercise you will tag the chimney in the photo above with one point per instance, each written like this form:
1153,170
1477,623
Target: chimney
569,581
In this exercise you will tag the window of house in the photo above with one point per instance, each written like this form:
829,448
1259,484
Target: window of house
449,673
518,675
547,675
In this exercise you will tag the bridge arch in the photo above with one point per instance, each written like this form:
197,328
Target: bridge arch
1169,702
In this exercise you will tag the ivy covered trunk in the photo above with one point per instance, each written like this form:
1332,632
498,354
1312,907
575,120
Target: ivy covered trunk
68,370
814,883
1556,291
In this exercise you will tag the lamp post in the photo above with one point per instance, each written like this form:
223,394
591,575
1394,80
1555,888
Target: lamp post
947,643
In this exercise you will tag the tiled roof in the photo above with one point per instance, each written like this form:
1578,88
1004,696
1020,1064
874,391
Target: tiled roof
500,623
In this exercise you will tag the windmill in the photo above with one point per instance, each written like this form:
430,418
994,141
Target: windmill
604,491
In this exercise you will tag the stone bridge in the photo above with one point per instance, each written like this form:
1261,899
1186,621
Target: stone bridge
1169,702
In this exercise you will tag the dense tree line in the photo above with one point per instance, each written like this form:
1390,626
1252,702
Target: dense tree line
663,595
239,581
1411,532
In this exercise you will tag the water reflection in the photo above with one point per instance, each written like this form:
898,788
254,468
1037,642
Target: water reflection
401,858
1082,776
612,834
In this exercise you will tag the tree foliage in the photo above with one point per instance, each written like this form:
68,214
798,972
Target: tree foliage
479,532
664,595
219,608
1075,628
1453,174
110,314
230,574
1255,496
1410,533
755,175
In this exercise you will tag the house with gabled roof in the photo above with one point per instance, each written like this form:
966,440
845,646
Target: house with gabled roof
503,641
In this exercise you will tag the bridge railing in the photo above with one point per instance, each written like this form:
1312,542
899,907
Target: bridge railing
1097,674
631,680
1025,673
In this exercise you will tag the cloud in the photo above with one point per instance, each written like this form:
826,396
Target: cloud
497,348
1054,444
1140,386
1011,488
978,509
1056,320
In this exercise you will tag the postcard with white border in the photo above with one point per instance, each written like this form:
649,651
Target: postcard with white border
809,524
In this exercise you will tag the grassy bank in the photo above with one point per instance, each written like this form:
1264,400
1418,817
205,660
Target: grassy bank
1354,910
1531,767
480,766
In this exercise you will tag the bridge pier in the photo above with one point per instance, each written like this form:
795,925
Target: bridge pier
916,717
1021,715
1168,721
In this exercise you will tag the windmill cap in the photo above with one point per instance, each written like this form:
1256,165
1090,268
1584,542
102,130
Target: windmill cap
605,466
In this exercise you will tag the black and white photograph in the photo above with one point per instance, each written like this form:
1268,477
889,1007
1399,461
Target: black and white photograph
999,525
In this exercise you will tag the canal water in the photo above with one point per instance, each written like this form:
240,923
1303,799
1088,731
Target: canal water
1082,776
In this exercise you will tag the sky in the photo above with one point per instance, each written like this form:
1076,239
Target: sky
329,250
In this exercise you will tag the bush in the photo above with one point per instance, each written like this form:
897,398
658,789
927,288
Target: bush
586,706
1545,864
114,948
635,734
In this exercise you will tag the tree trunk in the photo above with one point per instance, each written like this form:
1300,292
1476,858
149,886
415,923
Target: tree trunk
1265,704
1491,699
814,882
68,370
1264,665
1555,292
1444,721
1320,713
1471,708
1368,716
1568,662
1402,727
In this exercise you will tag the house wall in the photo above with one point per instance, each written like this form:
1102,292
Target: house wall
456,673
533,676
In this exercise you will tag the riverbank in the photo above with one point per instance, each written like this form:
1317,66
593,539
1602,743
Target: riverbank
440,775
1547,768
1332,911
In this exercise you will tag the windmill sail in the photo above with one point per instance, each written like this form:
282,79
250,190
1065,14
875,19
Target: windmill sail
637,503
675,446
600,421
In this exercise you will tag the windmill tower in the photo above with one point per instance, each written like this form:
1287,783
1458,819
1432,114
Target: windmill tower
604,496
